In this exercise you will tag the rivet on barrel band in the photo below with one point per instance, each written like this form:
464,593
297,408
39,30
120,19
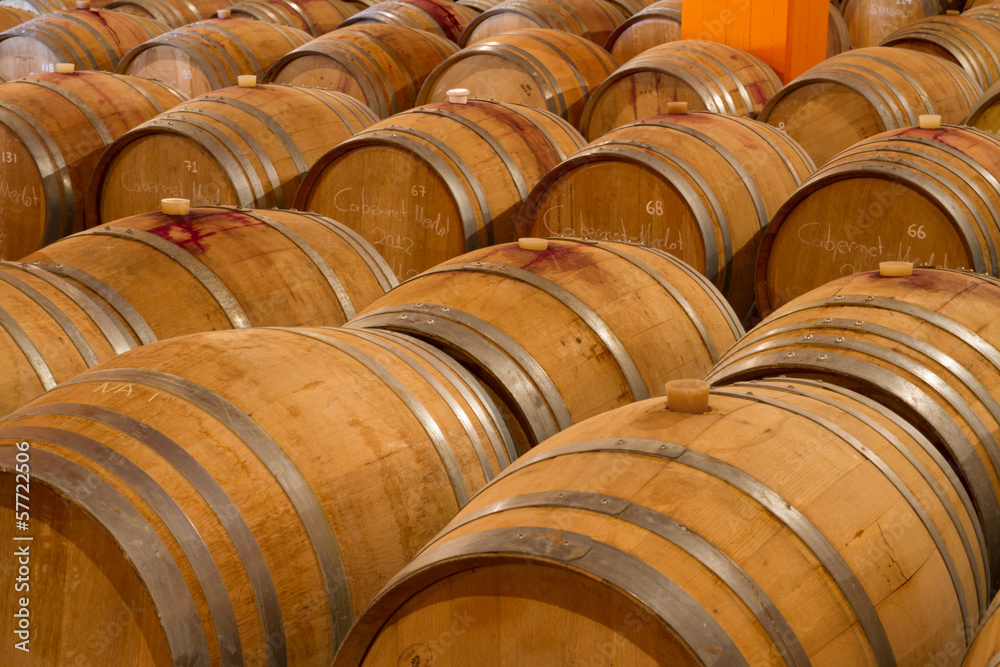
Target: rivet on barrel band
274,458
714,559
517,371
103,290
114,331
407,397
890,475
794,520
676,609
373,336
211,282
177,523
800,387
577,306
162,578
65,323
51,164
208,488
28,349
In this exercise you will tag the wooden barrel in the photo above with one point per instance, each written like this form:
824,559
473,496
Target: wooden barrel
240,146
480,5
593,19
307,270
863,92
557,333
986,114
977,4
914,195
838,38
709,76
985,649
50,331
871,21
53,130
549,69
443,18
382,65
972,45
452,177
42,7
702,187
317,17
211,54
171,13
628,8
88,38
11,16
242,494
925,346
659,23
791,524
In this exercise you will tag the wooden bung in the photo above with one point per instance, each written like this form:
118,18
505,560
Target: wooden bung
65,68
527,243
929,121
895,269
247,80
689,396
175,206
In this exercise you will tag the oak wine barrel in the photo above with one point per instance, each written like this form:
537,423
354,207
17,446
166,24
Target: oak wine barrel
443,18
709,76
172,13
700,186
656,24
927,196
241,495
789,524
863,92
924,345
240,146
871,21
316,17
381,65
53,130
91,39
593,19
452,177
211,54
549,69
972,45
556,330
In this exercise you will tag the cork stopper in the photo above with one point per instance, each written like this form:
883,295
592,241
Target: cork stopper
83,4
222,14
247,80
677,108
528,243
895,269
65,68
689,396
952,12
458,95
929,121
175,206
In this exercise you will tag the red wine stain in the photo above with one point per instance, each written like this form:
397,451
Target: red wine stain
190,231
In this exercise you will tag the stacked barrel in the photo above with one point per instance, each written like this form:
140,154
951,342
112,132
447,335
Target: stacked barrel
553,442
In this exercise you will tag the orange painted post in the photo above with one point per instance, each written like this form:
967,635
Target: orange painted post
789,35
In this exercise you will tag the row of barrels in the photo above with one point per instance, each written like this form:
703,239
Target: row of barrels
425,396
845,512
